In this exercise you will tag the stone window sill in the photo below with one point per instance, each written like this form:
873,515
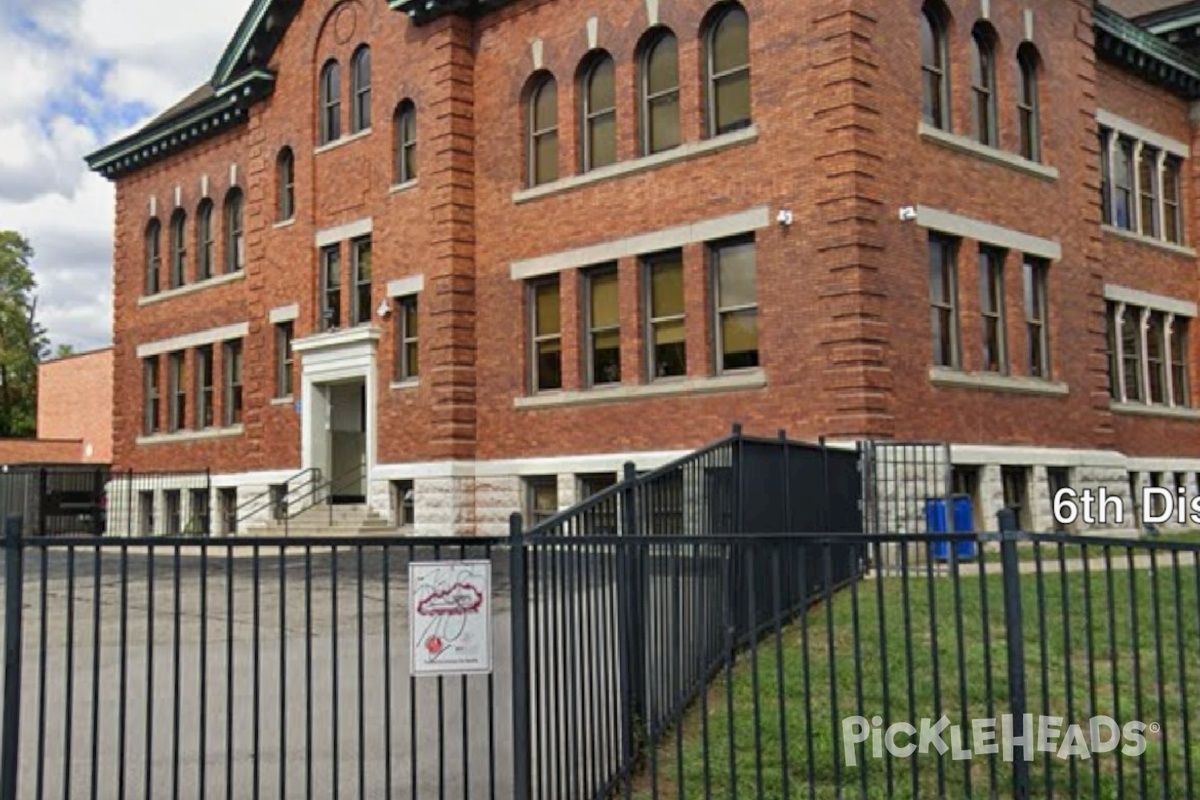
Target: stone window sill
283,401
412,383
345,140
675,155
743,381
970,147
1145,410
1170,247
992,382
190,288
191,436
284,223
398,188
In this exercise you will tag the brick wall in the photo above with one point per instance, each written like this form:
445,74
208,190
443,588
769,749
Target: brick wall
75,402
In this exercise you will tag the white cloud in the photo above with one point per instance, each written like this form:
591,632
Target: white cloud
73,70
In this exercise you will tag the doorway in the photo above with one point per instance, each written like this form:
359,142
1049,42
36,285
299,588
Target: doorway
346,440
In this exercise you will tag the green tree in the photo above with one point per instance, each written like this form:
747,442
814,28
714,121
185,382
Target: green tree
23,341
64,350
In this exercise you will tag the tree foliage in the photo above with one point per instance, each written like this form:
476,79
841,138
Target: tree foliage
23,341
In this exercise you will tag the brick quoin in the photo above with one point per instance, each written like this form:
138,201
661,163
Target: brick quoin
843,292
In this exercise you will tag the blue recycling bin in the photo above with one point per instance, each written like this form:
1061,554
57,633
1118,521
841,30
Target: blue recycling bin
964,522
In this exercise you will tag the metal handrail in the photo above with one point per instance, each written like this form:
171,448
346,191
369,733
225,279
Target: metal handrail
321,492
263,500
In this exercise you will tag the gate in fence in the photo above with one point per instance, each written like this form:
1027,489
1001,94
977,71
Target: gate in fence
709,629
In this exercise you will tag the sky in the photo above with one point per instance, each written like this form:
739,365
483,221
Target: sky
78,74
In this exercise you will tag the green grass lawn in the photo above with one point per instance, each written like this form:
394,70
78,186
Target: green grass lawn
1118,666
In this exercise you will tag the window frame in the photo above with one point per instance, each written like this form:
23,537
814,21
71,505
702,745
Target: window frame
668,96
1029,114
533,483
1156,363
1148,195
984,109
1123,151
1173,228
285,334
152,245
206,242
720,311
992,308
542,82
235,232
407,310
331,293
177,275
205,378
591,330
151,396
176,391
590,116
285,175
330,102
360,90
1035,278
651,323
713,78
948,249
405,168
1180,384
232,355
533,288
935,105
1133,356
360,312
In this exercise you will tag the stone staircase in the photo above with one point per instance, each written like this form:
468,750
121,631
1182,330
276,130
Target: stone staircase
348,520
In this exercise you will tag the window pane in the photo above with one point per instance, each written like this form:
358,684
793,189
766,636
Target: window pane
930,53
410,321
605,302
663,66
546,157
602,144
664,123
731,42
739,339
602,93
670,357
606,357
545,107
547,311
666,292
410,354
732,101
736,276
549,365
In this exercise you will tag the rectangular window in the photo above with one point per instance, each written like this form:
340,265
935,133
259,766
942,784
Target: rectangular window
1110,341
204,386
1179,361
408,360
1131,352
1035,275
1016,494
546,326
150,394
595,483
991,308
360,250
173,502
943,300
233,382
1172,216
736,295
198,515
404,503
146,513
331,287
284,333
665,319
177,391
1122,178
1058,478
1156,366
603,323
1148,191
227,505
1106,209
541,499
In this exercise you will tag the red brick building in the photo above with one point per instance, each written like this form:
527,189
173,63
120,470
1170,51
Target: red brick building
75,402
482,252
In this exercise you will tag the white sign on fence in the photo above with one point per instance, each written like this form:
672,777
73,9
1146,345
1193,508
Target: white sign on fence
450,617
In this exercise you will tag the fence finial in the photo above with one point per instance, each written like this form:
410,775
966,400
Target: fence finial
782,434
737,429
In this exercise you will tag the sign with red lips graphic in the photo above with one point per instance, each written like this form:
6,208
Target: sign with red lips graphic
450,617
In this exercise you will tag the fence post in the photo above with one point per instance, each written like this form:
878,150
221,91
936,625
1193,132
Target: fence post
522,733
629,588
824,485
14,579
739,520
1015,641
41,501
786,463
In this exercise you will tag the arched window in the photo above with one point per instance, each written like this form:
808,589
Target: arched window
659,87
543,130
1028,116
360,89
205,241
983,84
727,61
235,238
178,249
598,114
285,178
331,102
935,78
153,248
405,129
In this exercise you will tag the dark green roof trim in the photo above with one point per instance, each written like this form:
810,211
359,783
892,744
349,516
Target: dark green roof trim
223,111
255,40
1124,43
423,11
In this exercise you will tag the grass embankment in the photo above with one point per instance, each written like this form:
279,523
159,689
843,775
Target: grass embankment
906,668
